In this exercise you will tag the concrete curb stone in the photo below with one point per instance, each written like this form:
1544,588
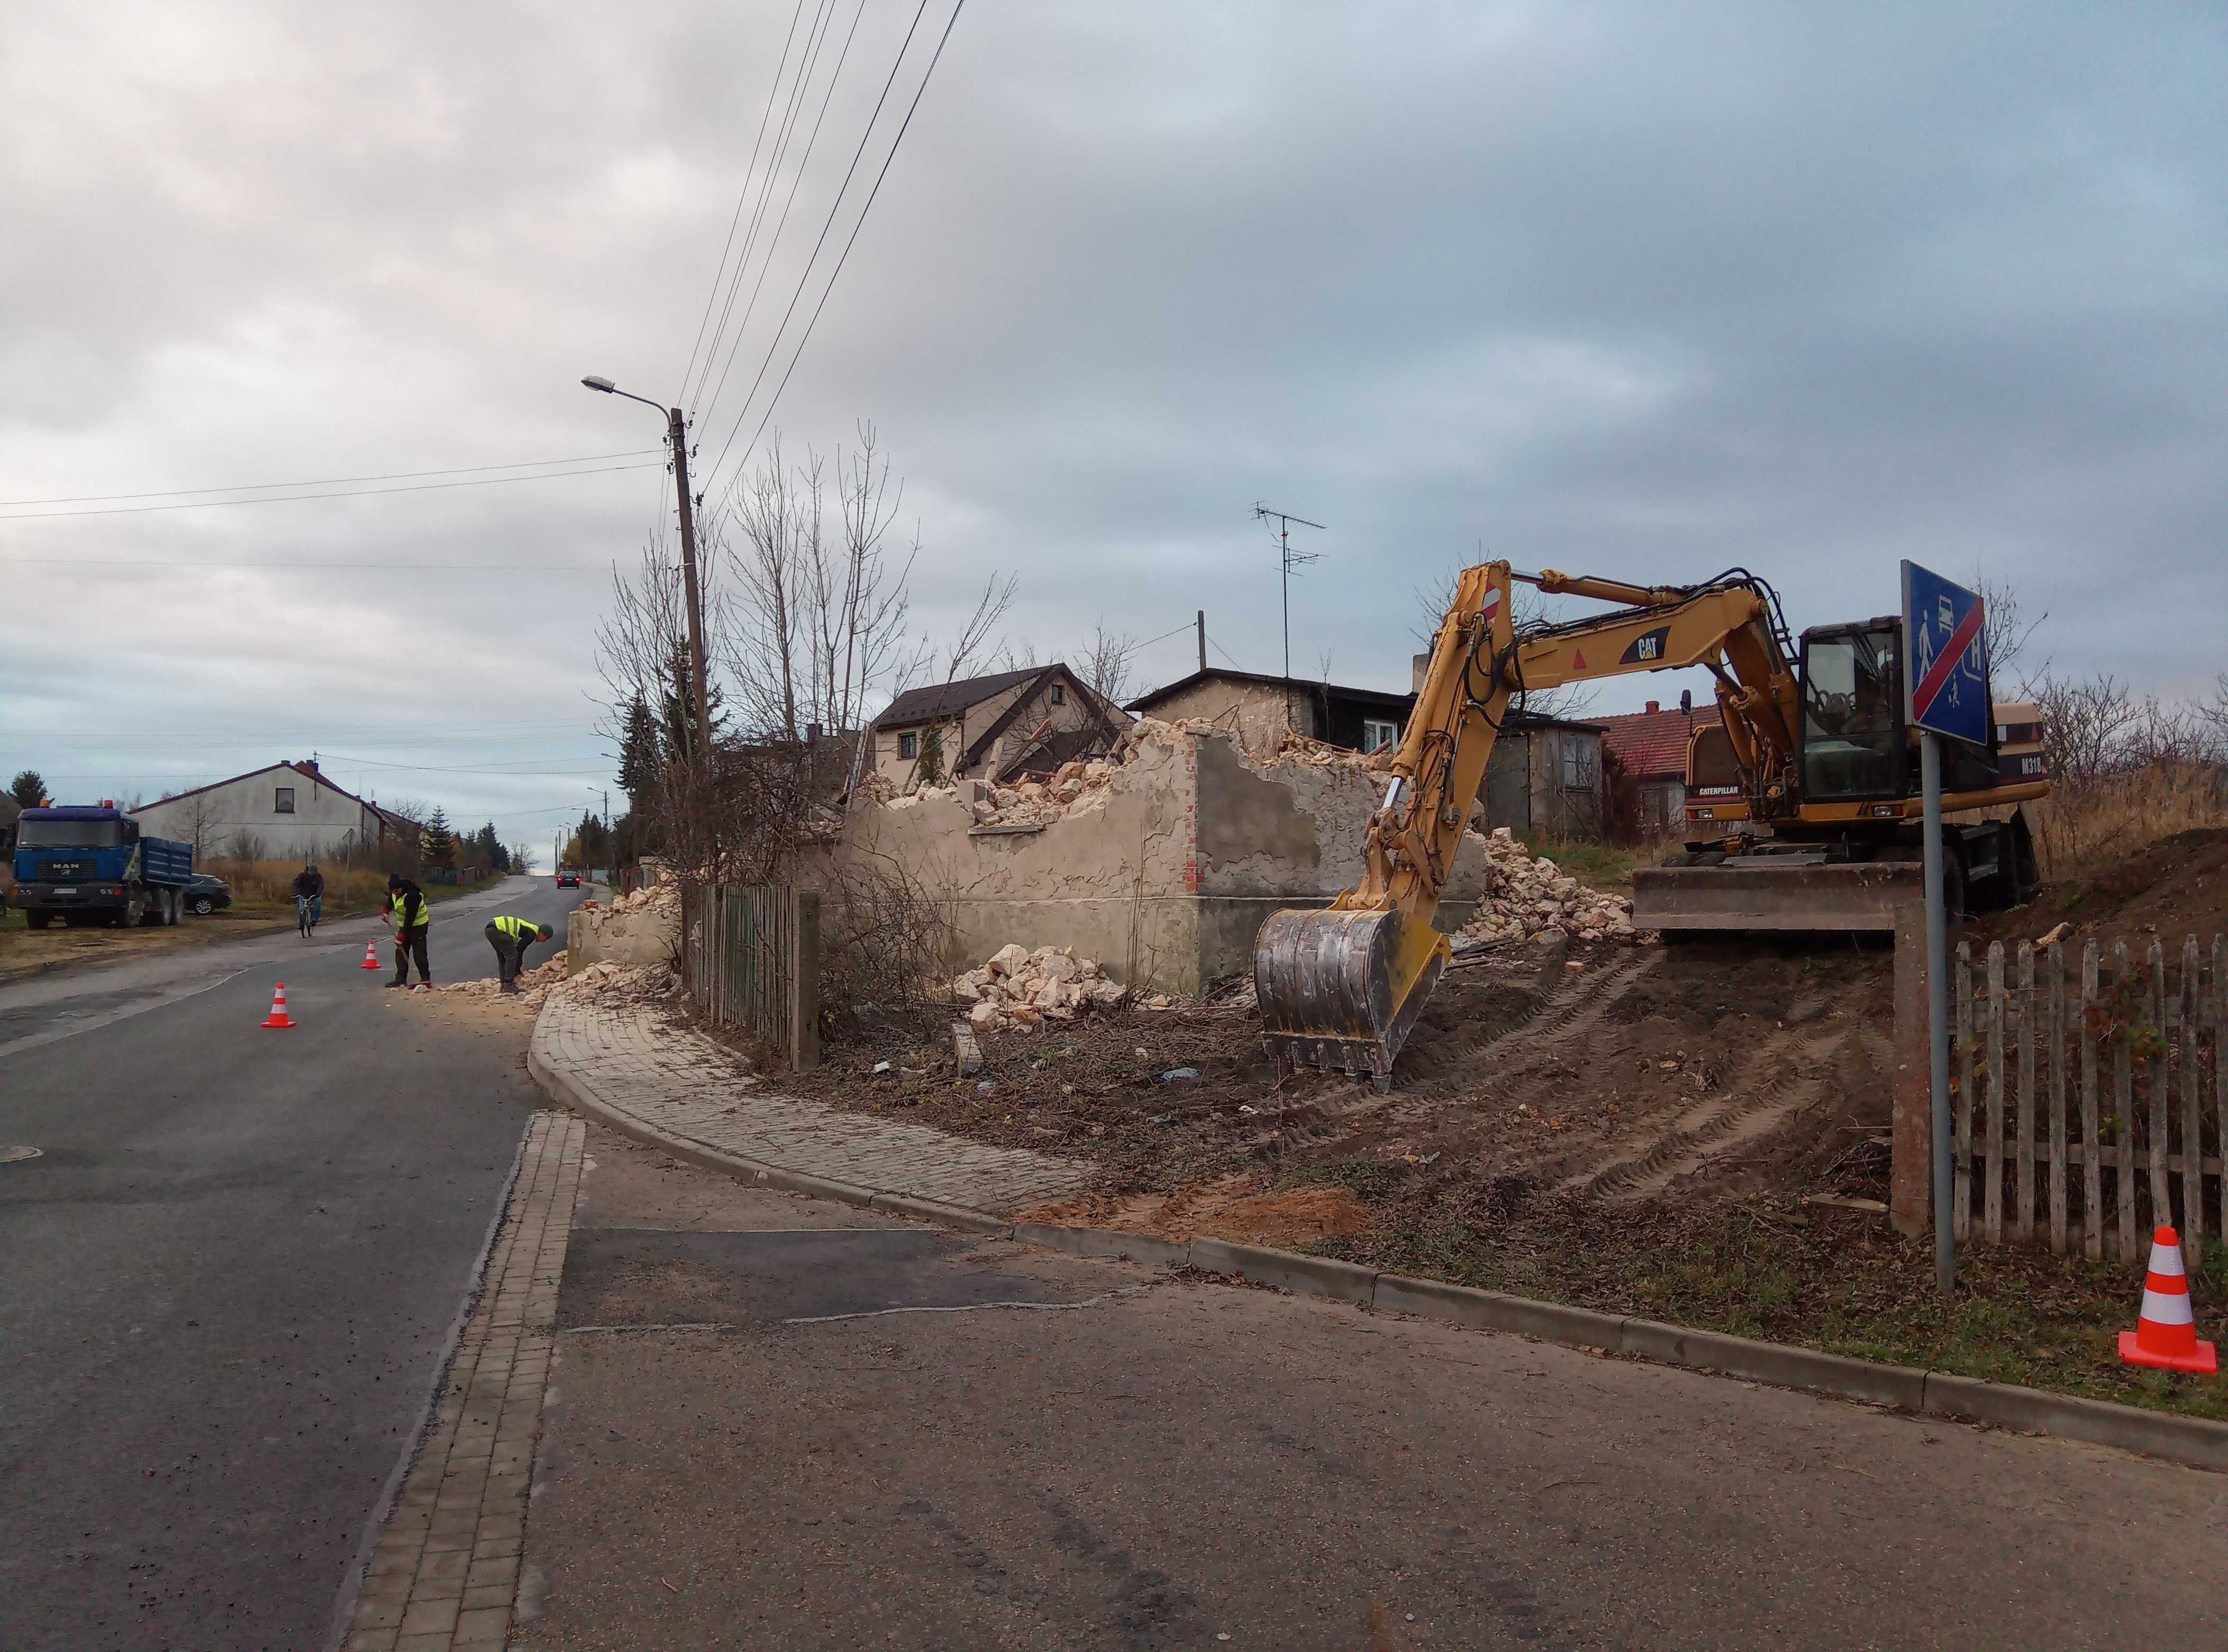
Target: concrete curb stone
2191,1440
1867,1380
930,1210
1100,1241
1312,1276
1490,1311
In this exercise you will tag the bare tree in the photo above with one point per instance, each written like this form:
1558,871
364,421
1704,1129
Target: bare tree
1106,659
2008,635
1526,612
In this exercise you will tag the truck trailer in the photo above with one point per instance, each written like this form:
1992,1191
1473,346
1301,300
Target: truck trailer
91,865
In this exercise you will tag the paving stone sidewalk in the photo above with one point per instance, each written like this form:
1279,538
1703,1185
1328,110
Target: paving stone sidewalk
444,1574
628,1060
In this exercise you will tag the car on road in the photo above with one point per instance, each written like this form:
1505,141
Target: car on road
205,894
568,880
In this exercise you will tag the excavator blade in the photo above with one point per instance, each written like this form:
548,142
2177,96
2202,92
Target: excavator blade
1340,990
1761,892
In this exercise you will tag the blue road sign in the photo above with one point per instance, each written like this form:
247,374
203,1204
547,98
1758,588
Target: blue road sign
1945,654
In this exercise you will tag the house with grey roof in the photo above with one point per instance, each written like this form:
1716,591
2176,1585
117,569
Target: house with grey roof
995,728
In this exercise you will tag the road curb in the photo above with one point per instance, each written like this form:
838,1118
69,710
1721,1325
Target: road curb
562,1089
2190,1440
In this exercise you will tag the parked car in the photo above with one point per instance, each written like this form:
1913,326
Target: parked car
568,880
205,894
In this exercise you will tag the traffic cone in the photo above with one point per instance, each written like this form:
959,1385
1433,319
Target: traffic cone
279,1017
370,956
2164,1336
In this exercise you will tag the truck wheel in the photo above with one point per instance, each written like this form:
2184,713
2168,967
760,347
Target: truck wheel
38,919
134,914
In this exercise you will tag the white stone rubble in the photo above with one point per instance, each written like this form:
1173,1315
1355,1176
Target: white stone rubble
1531,898
1019,987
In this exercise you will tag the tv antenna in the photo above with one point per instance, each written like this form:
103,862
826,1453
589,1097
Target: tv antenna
1288,559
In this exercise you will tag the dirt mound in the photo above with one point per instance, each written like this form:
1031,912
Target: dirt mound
2177,885
1241,1207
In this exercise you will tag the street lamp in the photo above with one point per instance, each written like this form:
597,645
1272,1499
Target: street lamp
677,434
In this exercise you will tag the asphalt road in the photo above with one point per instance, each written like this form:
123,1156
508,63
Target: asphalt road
851,1445
231,1274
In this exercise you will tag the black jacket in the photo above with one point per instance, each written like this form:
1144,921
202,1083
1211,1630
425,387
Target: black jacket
312,884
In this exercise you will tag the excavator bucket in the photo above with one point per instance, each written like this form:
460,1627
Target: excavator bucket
1763,892
1340,991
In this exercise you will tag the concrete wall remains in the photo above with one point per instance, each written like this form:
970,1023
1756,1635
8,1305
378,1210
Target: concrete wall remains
650,934
1164,874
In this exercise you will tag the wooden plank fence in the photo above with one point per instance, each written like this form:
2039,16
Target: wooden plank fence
750,958
2110,1069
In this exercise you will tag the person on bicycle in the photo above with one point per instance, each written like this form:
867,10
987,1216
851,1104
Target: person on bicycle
510,937
310,886
407,910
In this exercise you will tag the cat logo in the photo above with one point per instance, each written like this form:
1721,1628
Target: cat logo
1647,649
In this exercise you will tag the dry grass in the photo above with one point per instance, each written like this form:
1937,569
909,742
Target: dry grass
2082,830
269,885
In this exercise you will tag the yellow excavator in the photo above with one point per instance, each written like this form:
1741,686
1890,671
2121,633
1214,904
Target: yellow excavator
1811,773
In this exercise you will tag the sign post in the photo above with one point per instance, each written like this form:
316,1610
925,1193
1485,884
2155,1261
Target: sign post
1946,671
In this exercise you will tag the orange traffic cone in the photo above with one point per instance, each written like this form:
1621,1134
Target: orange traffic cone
2165,1336
370,956
279,1017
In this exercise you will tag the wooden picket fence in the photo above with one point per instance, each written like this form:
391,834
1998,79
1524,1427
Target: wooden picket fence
750,958
2088,1100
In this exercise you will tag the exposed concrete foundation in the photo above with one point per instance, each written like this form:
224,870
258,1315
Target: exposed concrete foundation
1163,877
598,935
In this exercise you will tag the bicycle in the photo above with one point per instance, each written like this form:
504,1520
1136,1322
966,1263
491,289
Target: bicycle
306,914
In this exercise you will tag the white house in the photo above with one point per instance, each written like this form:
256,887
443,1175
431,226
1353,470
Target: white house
287,811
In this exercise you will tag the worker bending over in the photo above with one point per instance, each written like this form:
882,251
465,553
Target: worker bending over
407,912
510,937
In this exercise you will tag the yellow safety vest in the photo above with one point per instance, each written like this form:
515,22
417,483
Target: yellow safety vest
397,905
519,929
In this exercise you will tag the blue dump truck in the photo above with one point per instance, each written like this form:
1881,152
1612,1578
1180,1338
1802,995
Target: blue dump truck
91,865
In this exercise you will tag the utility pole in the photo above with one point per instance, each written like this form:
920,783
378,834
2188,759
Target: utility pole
677,433
1287,559
1202,639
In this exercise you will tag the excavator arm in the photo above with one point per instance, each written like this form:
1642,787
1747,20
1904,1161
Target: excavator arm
1340,988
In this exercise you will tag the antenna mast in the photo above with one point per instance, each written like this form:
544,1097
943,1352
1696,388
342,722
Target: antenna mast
1287,559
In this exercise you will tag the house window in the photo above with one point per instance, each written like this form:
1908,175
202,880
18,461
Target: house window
908,746
284,805
1376,736
1059,694
1577,763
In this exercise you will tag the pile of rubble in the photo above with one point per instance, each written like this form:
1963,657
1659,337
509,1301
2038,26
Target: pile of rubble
663,898
1019,987
533,984
1534,900
617,986
1082,786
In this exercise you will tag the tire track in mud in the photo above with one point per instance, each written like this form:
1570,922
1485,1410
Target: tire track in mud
1576,1005
1720,1126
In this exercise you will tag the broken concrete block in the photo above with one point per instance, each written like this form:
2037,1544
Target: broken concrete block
966,990
1060,967
984,1015
1008,958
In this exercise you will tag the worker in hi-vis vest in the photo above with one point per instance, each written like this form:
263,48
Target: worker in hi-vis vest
510,937
407,912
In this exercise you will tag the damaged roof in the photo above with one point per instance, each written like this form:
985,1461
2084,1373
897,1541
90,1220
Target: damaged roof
946,699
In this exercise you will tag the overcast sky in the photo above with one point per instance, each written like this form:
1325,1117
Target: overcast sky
1645,290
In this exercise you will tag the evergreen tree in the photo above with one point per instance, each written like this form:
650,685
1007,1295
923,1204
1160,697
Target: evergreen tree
437,845
27,787
681,719
931,756
638,752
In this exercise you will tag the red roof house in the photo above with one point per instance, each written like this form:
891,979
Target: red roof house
1650,746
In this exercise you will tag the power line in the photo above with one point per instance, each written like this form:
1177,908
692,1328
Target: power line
749,172
309,567
325,481
834,206
765,265
354,493
806,336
